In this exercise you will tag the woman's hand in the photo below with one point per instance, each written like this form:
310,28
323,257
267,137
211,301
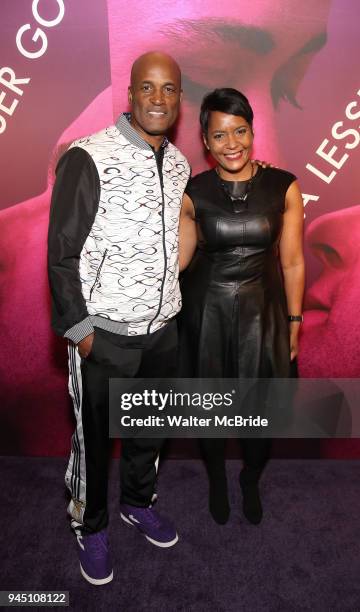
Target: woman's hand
294,339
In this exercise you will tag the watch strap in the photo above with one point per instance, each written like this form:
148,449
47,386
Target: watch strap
298,318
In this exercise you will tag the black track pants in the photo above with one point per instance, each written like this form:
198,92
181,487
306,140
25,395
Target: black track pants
112,356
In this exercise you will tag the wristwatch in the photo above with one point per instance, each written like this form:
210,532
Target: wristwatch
298,318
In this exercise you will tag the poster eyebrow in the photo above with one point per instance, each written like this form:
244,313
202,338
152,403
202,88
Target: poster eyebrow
248,37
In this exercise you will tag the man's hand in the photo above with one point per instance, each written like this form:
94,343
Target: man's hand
263,164
85,345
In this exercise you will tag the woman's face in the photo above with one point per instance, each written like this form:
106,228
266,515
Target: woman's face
229,139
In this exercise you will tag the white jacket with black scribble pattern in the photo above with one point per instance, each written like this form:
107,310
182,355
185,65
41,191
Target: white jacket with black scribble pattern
113,235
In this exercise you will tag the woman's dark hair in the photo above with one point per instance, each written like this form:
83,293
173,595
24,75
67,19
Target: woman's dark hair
225,100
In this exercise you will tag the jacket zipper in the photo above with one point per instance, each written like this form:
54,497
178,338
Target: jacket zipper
97,274
163,241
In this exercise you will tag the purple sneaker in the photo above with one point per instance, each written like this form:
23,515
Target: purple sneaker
157,529
94,556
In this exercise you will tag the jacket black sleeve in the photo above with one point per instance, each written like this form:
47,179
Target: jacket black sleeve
74,204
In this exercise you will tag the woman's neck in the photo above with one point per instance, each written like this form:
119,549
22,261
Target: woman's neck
246,173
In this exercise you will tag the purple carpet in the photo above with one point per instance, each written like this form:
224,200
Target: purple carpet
305,555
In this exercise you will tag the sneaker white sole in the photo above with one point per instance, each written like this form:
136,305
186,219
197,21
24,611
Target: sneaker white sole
96,581
155,542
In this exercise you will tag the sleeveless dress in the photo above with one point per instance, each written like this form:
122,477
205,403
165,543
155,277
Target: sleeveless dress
234,318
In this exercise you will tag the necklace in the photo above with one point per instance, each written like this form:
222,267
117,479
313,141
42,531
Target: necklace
235,191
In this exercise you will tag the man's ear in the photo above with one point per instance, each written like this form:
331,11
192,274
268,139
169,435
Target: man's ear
181,95
205,142
130,96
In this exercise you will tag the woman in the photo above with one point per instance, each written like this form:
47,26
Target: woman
243,291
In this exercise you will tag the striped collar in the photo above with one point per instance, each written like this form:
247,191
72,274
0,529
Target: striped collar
127,130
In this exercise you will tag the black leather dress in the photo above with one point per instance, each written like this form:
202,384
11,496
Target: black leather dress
233,321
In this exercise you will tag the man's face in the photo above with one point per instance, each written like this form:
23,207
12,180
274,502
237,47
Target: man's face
154,96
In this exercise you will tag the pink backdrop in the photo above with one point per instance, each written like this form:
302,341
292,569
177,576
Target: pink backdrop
297,63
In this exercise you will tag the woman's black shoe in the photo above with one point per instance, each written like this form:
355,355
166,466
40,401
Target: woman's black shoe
252,507
213,452
218,500
219,506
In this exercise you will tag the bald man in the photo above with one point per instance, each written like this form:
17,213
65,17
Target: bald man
113,271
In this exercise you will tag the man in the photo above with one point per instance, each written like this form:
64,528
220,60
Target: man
113,270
